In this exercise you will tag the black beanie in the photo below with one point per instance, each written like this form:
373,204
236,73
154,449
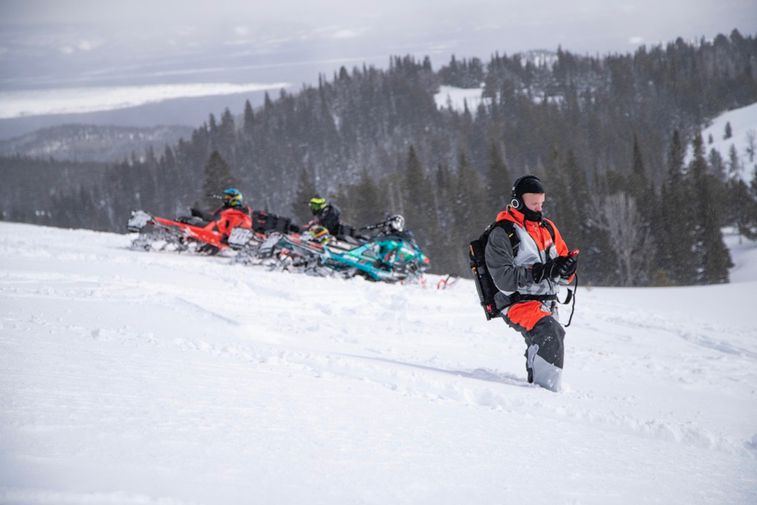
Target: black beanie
527,184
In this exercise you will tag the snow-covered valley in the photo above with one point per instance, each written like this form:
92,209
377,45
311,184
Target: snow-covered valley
136,378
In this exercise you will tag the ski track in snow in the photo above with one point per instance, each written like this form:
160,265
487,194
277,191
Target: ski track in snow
160,378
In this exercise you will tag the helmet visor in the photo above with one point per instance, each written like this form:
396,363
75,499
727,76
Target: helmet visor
317,203
232,197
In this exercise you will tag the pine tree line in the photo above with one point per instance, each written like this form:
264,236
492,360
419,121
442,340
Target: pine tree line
608,136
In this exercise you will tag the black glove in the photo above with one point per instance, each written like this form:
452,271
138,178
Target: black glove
562,266
565,266
541,271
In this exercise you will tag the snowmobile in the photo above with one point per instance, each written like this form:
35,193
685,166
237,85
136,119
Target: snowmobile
194,233
250,242
384,252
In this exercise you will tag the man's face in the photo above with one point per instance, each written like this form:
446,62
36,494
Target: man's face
534,201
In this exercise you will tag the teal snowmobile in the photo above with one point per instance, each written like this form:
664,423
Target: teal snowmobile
385,252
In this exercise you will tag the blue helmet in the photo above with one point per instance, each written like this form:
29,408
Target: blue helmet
232,197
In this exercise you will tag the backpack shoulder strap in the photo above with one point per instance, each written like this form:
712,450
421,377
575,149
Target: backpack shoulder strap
509,228
550,228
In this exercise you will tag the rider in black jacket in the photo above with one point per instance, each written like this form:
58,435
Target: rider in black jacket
325,214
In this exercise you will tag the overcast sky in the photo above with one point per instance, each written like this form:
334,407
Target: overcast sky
579,23
66,33
52,44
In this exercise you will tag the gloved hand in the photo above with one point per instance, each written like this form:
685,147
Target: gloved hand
541,271
565,266
562,266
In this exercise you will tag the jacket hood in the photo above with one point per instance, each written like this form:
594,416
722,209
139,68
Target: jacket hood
510,214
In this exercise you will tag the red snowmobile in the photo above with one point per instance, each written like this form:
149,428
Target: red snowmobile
199,232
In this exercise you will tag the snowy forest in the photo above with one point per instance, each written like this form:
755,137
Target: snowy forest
630,179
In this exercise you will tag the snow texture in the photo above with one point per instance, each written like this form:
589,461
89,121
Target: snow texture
158,378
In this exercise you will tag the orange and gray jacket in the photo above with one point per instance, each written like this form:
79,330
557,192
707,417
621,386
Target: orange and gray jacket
511,270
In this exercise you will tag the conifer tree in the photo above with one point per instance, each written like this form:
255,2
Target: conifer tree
168,160
673,229
218,177
249,119
305,191
498,181
418,205
443,250
468,210
712,257
749,226
212,127
420,212
734,164
717,165
638,182
368,205
557,202
443,184
416,197
572,196
227,135
643,191
751,144
740,207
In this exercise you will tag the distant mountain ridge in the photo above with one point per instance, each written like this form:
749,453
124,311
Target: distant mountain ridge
77,142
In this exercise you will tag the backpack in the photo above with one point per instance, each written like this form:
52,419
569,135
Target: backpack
481,276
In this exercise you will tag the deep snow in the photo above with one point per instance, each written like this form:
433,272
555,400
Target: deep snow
156,378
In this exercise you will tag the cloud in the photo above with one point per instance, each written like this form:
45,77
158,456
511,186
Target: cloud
81,100
185,30
88,44
628,8
636,40
345,34
81,45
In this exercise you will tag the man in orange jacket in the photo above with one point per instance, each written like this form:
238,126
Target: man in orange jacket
527,269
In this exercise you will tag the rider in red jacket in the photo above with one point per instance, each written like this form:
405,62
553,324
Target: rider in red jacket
232,201
233,214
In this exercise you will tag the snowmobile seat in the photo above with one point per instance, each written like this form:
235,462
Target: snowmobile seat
193,220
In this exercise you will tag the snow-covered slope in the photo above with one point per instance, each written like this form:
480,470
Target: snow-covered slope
130,378
743,123
451,97
743,255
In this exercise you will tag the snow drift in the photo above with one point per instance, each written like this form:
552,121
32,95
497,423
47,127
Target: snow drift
130,377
